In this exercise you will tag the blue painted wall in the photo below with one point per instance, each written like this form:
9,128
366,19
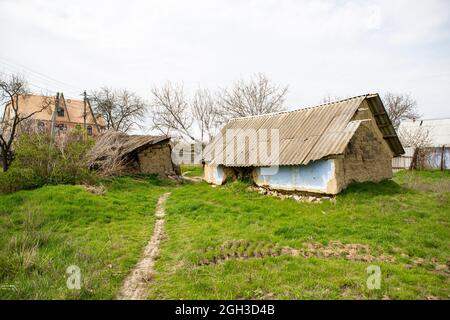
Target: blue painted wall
312,177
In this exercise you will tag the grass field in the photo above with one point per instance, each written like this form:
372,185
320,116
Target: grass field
44,231
192,170
228,242
405,231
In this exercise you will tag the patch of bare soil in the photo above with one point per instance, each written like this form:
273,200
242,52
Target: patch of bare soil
243,249
97,190
136,284
192,179
336,249
437,266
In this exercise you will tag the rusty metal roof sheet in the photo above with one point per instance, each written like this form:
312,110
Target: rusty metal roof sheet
304,135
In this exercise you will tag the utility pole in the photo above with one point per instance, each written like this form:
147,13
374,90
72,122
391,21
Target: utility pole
93,115
85,111
54,114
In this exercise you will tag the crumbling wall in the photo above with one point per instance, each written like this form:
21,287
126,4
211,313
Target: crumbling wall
219,174
156,159
214,174
315,177
366,158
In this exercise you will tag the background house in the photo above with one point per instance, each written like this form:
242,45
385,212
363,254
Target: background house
321,149
432,137
58,114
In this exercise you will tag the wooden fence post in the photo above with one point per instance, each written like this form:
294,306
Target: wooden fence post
412,165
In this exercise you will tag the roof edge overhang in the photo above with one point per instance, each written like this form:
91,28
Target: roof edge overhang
384,124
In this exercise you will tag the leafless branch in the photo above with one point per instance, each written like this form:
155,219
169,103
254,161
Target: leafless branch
12,91
171,113
254,97
122,110
205,113
400,107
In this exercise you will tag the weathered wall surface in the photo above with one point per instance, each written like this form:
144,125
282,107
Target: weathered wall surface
214,174
315,177
366,158
156,159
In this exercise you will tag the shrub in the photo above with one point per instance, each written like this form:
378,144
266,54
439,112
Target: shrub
16,179
39,159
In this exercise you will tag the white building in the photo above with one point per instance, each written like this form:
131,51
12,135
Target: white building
437,132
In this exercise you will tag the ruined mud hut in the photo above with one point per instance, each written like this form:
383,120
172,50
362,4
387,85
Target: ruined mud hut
116,153
321,149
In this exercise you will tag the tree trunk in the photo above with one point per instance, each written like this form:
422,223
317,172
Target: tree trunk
413,164
5,161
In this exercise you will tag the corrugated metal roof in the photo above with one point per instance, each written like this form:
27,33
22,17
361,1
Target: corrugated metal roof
304,135
124,143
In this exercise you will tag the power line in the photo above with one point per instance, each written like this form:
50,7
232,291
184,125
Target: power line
39,74
37,81
40,84
44,88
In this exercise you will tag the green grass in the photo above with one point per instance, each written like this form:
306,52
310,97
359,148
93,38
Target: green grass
192,170
44,231
391,218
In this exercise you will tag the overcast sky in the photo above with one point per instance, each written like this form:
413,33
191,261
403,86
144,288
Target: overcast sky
338,48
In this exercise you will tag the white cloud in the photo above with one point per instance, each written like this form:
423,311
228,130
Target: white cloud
317,47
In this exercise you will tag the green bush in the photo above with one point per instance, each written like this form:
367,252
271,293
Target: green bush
39,159
16,179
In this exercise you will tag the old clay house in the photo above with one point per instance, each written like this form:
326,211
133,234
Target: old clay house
321,149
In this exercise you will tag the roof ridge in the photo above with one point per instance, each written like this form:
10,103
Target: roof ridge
301,109
48,96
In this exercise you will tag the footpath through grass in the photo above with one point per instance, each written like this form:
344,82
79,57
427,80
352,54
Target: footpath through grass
223,243
44,231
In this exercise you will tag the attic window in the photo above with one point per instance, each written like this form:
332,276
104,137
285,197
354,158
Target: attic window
89,131
60,112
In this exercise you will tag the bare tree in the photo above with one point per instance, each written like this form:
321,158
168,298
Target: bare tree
419,139
205,113
171,112
11,90
253,97
122,110
174,113
199,118
330,98
400,107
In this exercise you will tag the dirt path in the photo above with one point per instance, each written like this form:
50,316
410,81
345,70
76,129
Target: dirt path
136,284
192,179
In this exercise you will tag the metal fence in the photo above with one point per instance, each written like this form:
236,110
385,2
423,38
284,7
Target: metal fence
436,158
